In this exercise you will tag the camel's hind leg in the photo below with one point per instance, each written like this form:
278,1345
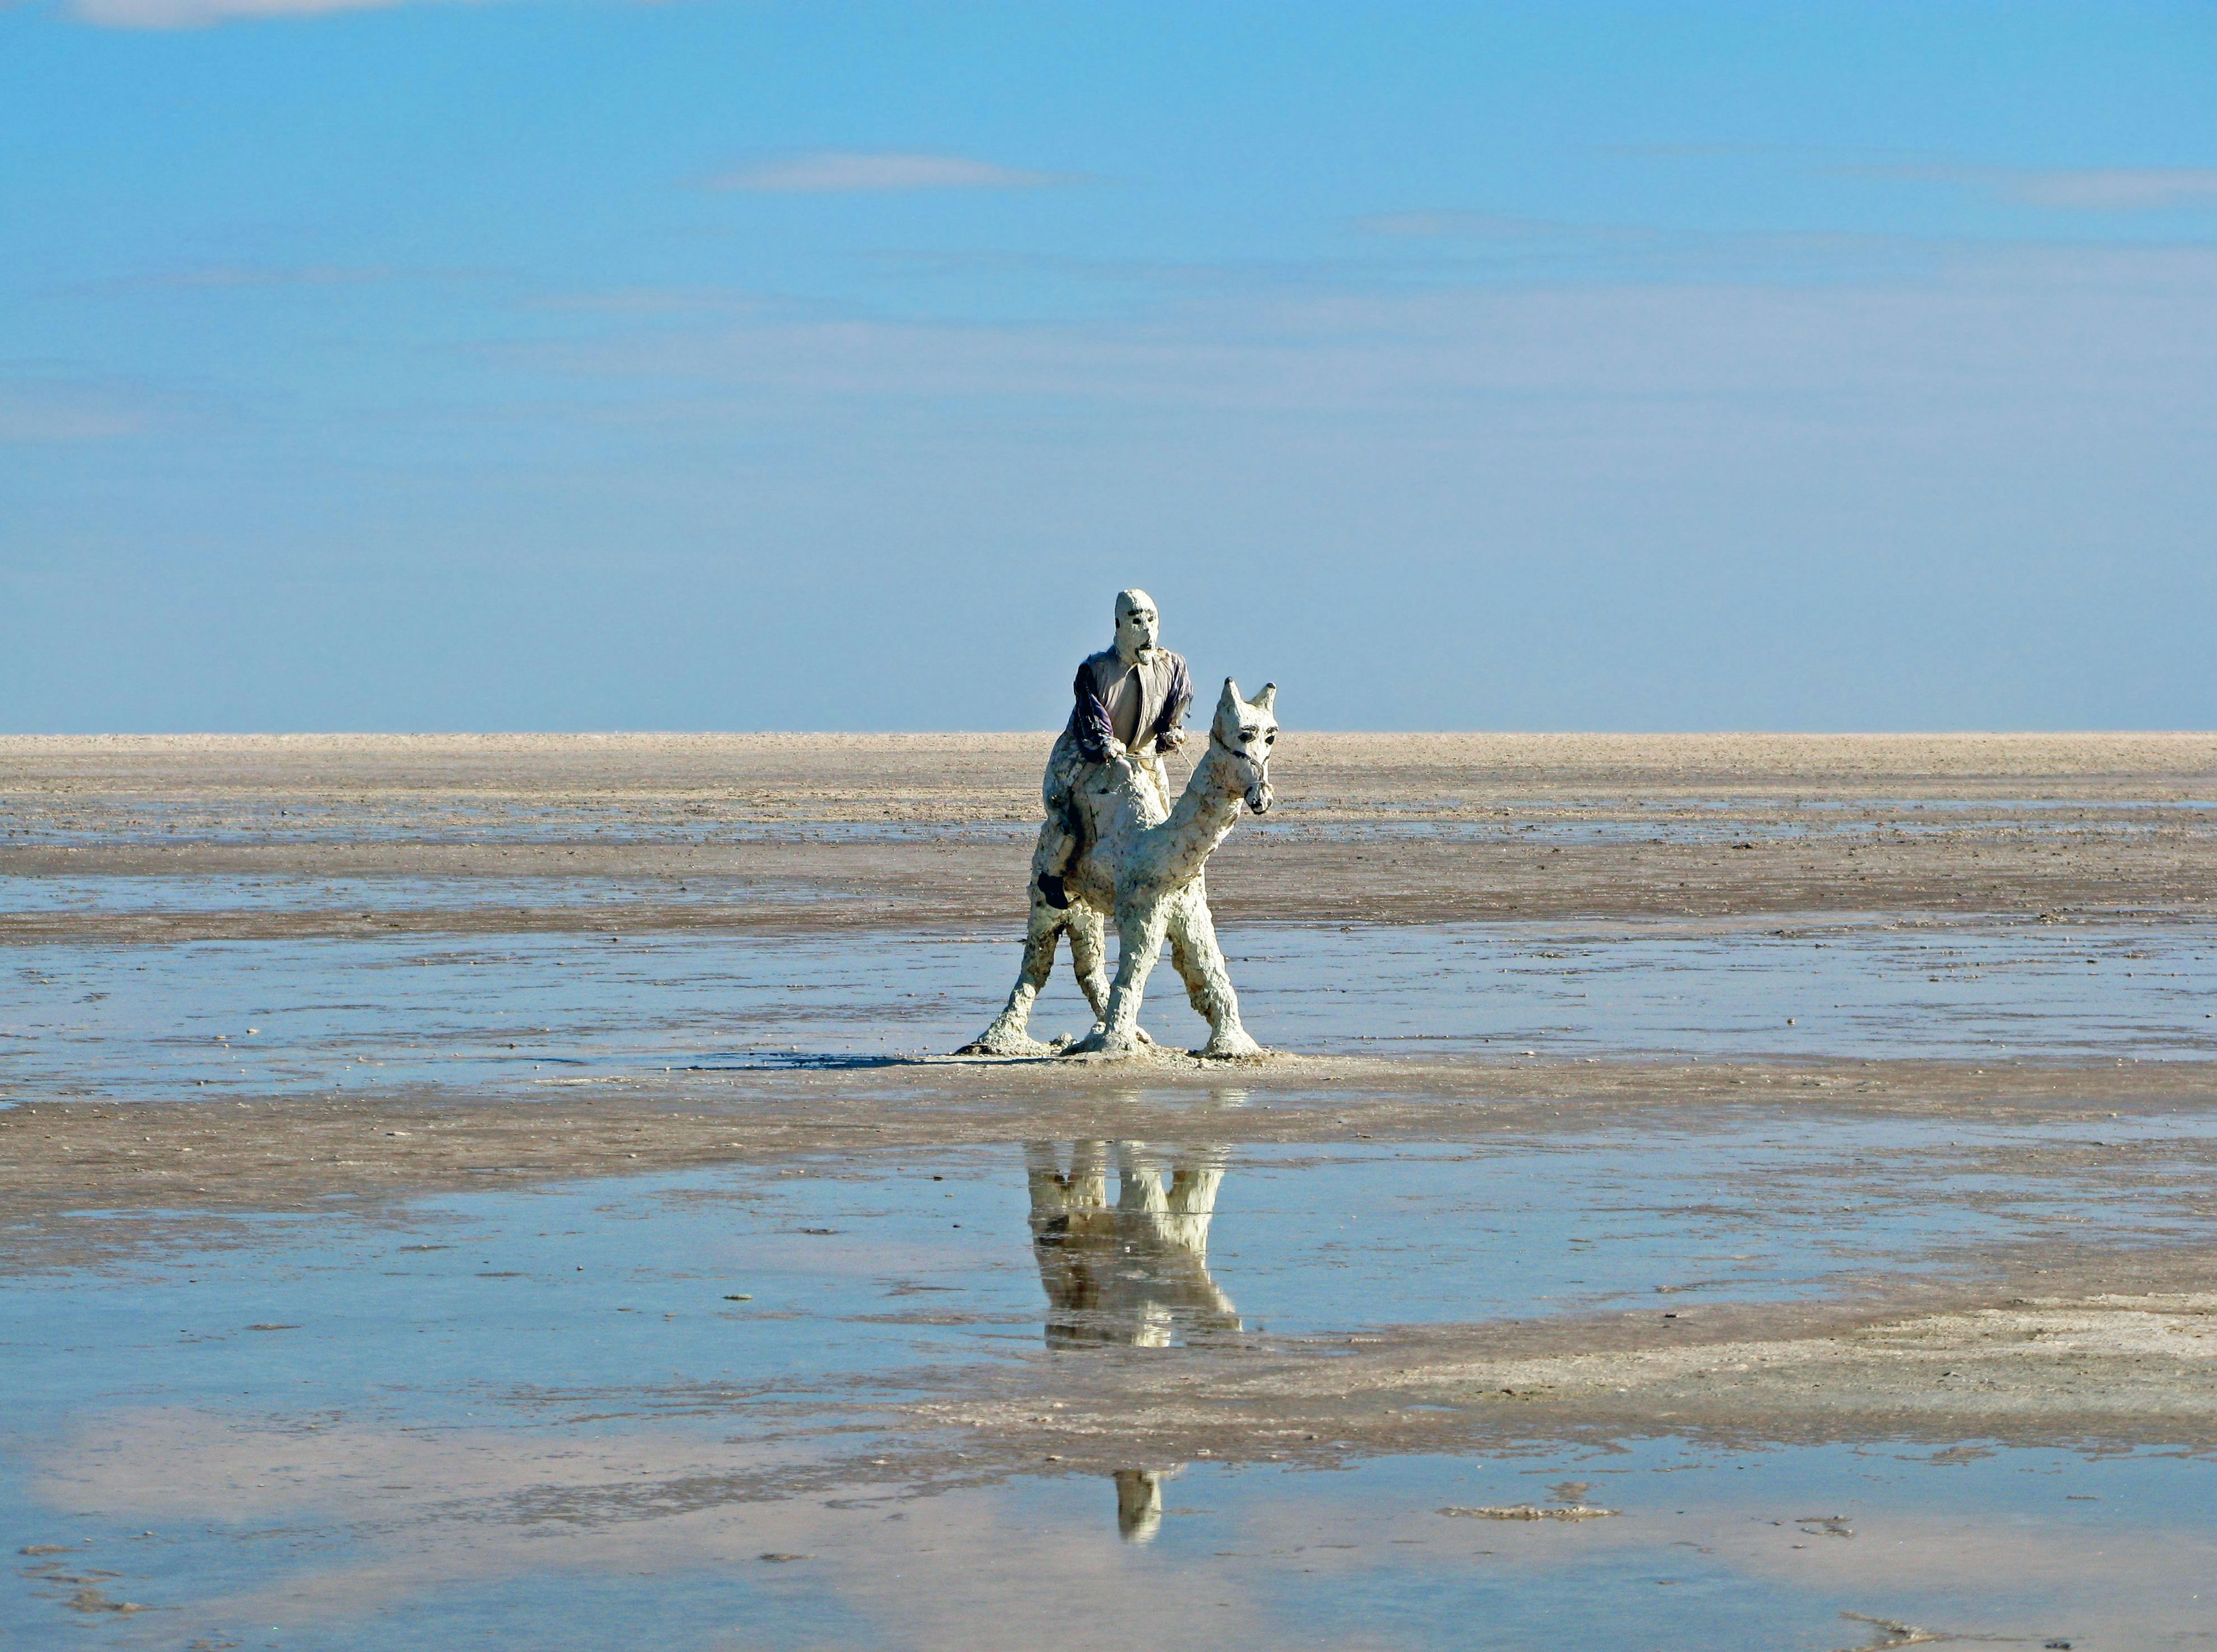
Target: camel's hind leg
1197,958
1010,1034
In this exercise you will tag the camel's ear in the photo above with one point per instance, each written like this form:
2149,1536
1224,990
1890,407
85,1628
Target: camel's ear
1227,703
1267,701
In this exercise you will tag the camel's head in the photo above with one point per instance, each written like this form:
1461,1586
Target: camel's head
1245,730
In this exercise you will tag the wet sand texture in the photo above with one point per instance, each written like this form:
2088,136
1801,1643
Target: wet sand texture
928,829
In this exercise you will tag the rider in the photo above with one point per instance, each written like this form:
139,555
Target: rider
1130,699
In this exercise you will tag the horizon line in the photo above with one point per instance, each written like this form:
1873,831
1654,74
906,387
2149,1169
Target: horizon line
1049,733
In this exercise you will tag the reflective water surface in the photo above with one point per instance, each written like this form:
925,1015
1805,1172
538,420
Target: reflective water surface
252,1017
543,1419
1795,1547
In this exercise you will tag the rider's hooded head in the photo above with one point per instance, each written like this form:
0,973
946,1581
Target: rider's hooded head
1138,625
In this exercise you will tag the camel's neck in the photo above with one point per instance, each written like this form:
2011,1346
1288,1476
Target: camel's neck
1180,842
1203,818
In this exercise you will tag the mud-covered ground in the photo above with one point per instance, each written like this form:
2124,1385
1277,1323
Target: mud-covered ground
788,831
2074,1310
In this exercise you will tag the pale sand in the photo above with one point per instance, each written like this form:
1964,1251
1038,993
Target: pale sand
2064,821
942,776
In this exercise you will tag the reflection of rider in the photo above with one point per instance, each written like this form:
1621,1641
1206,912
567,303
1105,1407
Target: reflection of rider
1129,698
1139,1504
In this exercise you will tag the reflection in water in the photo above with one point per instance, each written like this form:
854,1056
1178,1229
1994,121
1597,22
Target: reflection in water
1133,1274
1139,1504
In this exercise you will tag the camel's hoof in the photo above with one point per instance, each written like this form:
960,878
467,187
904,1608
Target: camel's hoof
998,1043
1230,1048
1099,1043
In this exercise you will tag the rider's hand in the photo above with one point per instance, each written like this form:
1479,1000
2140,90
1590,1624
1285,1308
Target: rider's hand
1170,739
1112,749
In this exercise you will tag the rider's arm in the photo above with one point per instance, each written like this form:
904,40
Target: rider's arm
1168,735
1089,722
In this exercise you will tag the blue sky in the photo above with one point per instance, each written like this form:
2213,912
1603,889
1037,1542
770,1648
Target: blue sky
716,364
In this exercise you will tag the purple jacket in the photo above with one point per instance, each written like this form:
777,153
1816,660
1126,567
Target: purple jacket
1164,693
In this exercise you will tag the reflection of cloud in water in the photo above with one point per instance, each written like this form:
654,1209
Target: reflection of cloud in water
431,1522
1971,1573
933,1572
1993,1555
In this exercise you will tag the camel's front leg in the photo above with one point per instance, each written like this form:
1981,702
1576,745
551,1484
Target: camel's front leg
1200,960
1089,956
1138,943
1009,1034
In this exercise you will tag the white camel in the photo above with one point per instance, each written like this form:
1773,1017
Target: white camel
1143,862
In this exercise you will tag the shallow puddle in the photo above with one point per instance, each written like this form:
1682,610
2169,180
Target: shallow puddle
1776,1550
888,1258
539,1420
284,1016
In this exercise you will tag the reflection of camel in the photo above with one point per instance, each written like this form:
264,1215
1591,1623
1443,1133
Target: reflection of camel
1133,1274
1142,862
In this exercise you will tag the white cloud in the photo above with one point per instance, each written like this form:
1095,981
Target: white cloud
2091,189
1987,344
36,411
1486,227
654,301
2115,189
216,278
202,14
835,171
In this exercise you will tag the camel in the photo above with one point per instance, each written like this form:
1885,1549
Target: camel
1143,862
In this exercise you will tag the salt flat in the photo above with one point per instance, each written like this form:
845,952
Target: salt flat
527,1174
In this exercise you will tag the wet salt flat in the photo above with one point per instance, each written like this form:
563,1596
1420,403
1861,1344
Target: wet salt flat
1712,821
539,1419
377,897
250,1017
416,818
725,1408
